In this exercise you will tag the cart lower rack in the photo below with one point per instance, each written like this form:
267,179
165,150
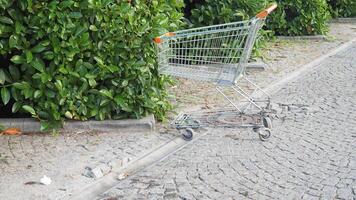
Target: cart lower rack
218,54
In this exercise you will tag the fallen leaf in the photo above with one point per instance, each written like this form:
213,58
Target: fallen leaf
11,131
33,183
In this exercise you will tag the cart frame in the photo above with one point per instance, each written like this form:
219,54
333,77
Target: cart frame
218,54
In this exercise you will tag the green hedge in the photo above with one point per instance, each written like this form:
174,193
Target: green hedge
293,17
300,17
83,59
342,8
209,12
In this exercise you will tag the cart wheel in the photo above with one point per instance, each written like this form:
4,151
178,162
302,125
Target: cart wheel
267,122
188,134
264,134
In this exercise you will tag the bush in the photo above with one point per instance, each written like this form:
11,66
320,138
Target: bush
300,17
210,12
342,8
82,59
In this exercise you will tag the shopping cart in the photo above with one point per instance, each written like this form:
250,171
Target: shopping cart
218,54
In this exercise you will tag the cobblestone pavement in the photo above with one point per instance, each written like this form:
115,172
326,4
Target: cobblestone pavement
63,158
312,156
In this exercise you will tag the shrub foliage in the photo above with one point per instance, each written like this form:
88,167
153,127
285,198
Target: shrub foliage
82,59
300,17
342,8
210,12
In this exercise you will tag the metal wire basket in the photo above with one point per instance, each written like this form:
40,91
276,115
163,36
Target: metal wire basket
217,54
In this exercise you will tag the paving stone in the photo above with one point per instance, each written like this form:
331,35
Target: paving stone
344,193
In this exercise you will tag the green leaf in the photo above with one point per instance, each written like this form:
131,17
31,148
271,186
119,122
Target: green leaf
2,77
59,85
29,56
68,115
5,95
75,15
45,77
29,109
38,64
22,86
92,82
18,27
104,102
13,40
37,94
38,48
8,77
45,125
93,28
43,115
99,60
120,100
15,73
50,94
113,68
106,93
16,107
18,59
29,5
6,20
124,83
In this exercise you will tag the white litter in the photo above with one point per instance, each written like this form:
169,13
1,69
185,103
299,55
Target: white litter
122,176
45,180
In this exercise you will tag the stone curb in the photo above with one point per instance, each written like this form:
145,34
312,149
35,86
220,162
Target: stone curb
257,65
306,37
32,125
344,20
120,171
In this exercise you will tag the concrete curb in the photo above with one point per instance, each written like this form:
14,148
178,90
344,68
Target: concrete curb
307,37
32,125
257,65
120,172
344,20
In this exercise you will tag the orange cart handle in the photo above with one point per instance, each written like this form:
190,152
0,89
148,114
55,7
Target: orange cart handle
159,39
263,14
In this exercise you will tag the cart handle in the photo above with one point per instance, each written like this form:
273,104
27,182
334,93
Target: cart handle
159,39
263,14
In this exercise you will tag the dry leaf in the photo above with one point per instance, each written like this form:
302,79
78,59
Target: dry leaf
11,131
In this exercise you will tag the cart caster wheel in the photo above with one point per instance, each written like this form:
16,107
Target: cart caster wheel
267,122
264,134
188,134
